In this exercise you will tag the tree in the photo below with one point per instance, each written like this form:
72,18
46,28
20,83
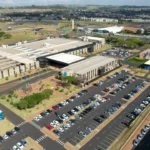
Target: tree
138,31
7,36
66,36
2,34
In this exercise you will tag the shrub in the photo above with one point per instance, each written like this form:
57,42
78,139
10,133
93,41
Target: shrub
3,97
34,99
61,90
7,100
6,78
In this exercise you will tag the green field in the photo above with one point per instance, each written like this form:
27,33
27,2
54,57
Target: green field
137,60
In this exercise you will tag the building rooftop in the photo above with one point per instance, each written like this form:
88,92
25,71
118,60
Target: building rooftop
88,64
147,63
65,58
33,50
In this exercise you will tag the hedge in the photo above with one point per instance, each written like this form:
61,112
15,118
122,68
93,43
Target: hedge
34,99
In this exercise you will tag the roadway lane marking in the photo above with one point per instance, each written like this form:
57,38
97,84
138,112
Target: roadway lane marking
77,138
90,144
74,141
92,126
97,138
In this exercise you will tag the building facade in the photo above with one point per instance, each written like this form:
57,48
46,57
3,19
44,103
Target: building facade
91,68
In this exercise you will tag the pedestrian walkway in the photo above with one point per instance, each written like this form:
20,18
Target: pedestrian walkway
21,124
60,142
41,138
35,125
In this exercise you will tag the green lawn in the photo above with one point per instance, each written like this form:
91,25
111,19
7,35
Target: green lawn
137,60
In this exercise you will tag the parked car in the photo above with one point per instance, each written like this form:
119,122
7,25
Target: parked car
82,134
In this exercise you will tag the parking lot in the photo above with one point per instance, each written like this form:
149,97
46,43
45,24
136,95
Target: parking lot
110,132
117,52
87,119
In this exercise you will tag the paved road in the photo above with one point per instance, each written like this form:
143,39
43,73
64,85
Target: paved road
4,89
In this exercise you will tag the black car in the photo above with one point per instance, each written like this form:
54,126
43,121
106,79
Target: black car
56,132
50,111
130,116
60,121
98,120
17,129
126,97
43,114
9,133
104,116
1,139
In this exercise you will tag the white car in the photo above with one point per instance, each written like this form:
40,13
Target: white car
65,116
63,103
19,145
39,116
36,119
142,105
53,124
61,130
68,125
145,102
13,132
73,111
139,137
15,148
56,122
5,137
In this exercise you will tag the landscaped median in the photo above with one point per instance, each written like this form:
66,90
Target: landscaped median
125,135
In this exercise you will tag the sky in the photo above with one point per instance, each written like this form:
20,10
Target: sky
51,2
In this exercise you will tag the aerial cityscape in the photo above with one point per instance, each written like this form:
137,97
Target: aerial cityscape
75,75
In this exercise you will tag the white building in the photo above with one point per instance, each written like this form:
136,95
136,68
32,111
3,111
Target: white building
91,68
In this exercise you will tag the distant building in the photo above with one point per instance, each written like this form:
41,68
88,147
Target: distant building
145,54
99,19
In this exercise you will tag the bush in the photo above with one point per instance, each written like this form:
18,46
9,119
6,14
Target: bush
34,99
61,90
7,100
6,78
3,97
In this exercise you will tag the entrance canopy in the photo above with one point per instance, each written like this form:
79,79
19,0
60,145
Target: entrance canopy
65,58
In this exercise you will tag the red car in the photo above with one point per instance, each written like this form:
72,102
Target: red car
55,107
106,90
106,98
49,127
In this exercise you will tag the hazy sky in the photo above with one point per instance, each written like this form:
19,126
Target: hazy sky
99,2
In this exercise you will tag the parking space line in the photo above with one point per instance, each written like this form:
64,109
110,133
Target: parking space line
92,126
101,147
118,129
116,135
77,138
74,141
111,136
107,142
104,145
121,126
118,132
109,139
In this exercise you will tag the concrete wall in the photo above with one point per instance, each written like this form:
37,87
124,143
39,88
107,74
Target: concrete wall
37,64
22,68
1,75
11,71
27,67
5,73
17,70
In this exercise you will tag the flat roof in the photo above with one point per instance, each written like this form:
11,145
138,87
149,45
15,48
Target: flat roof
88,64
92,38
147,63
36,49
65,58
